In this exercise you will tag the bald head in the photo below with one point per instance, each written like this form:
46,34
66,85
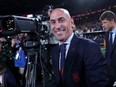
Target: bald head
60,11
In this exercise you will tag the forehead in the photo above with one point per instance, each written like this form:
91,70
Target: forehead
105,20
56,14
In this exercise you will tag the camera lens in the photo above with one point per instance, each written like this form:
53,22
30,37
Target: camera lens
8,24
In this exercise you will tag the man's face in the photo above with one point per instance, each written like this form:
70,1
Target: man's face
106,24
61,25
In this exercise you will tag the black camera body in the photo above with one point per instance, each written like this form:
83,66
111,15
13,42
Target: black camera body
11,24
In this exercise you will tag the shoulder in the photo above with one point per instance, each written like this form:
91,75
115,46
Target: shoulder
84,41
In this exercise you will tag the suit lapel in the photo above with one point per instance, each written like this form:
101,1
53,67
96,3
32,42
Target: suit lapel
71,52
107,38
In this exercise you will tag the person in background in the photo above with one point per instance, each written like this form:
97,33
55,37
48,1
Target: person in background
19,62
108,20
76,62
7,78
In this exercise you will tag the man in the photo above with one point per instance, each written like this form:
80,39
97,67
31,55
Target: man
108,19
84,65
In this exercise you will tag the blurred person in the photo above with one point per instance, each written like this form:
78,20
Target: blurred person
83,65
20,56
108,20
7,78
19,62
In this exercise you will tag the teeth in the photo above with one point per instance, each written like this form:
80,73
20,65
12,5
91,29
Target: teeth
61,30
58,31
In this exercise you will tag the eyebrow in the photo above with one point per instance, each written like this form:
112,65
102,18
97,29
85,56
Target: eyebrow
60,18
57,18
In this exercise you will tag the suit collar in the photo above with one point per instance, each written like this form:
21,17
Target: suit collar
68,40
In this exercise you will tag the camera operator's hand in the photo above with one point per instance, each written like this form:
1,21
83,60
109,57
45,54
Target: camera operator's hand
13,42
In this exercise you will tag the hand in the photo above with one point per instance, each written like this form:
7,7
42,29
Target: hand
13,42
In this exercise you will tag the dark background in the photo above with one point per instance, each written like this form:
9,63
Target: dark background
75,7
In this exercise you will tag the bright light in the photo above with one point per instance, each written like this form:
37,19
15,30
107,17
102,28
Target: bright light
30,15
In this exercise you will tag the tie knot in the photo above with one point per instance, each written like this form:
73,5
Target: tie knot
111,33
63,46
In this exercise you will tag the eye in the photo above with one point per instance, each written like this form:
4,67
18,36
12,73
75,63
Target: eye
52,22
61,20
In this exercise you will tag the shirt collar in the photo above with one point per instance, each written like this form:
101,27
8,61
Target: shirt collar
114,30
69,39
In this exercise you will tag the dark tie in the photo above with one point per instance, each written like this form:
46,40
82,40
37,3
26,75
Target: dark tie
110,41
109,47
62,50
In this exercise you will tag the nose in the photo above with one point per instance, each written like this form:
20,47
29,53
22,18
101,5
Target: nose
57,25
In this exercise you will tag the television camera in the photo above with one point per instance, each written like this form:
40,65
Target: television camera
11,25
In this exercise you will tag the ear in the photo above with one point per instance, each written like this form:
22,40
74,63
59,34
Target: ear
112,20
72,23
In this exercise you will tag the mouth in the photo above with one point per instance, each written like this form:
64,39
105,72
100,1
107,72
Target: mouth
60,30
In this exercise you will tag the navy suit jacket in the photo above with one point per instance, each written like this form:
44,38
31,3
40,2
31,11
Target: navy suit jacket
111,57
84,65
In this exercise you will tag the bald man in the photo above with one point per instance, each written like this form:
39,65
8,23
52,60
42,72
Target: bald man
84,65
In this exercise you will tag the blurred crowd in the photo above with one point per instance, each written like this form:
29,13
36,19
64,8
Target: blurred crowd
89,27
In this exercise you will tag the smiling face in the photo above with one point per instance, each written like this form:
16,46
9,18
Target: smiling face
61,24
